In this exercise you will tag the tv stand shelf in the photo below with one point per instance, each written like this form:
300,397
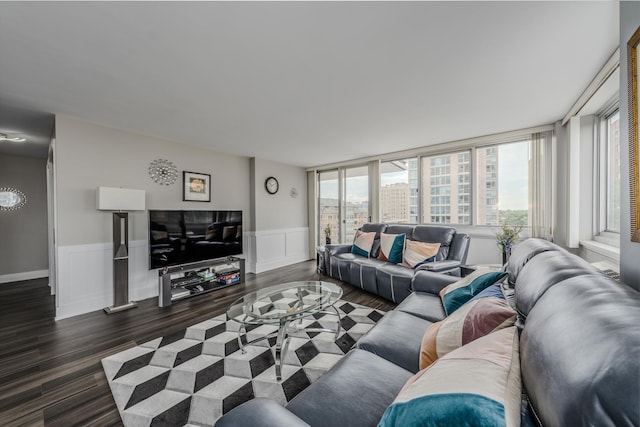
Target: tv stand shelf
189,280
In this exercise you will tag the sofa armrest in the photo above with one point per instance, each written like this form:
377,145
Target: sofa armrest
260,412
428,281
337,249
439,266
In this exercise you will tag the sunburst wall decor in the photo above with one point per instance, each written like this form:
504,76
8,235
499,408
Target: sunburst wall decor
163,172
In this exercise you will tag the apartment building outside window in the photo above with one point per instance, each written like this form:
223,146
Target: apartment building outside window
446,182
399,191
483,185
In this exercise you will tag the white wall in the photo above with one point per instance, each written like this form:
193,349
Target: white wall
90,155
629,251
281,235
23,232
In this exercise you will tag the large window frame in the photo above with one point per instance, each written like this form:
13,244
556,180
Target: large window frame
463,210
605,230
342,232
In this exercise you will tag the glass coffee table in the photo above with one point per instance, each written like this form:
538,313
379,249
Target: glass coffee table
285,305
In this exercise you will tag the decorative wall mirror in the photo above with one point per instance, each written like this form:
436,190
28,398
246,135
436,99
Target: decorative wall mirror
633,58
11,199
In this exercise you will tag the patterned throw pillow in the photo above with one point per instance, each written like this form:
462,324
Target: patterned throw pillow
362,243
476,385
416,253
391,247
475,319
456,294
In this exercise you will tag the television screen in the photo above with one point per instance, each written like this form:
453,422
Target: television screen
181,237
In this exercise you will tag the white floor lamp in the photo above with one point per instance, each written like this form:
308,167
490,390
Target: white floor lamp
120,200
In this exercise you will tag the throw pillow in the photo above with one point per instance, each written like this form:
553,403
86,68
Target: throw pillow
391,247
416,253
362,243
456,294
475,319
476,385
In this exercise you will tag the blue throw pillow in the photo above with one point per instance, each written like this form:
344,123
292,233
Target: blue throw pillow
456,294
391,247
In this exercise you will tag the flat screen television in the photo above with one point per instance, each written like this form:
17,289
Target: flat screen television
181,237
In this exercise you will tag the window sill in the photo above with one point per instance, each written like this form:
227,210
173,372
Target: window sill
608,238
603,249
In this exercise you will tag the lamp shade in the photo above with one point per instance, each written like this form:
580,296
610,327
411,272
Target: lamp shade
120,199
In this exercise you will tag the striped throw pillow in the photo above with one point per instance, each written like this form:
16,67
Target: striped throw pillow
416,253
391,247
476,385
475,319
362,243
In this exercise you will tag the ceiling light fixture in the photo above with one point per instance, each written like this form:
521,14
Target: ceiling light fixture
5,137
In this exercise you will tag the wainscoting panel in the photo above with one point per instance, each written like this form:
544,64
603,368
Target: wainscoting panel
85,277
279,248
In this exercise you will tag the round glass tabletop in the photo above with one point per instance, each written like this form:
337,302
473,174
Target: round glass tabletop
284,302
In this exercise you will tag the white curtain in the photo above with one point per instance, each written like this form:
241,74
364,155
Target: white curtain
540,188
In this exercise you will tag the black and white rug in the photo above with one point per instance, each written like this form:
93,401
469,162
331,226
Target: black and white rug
194,377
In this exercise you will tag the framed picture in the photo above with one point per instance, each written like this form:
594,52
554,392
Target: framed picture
196,187
633,67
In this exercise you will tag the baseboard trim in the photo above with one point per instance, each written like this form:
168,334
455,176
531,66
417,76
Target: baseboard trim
28,275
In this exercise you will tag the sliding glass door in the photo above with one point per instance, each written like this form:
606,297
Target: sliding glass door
343,203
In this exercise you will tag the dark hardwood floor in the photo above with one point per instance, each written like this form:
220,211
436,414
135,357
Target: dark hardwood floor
50,372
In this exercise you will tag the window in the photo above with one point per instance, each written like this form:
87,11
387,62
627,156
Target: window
328,208
399,191
502,184
612,175
445,179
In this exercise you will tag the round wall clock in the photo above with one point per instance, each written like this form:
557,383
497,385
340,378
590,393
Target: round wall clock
271,185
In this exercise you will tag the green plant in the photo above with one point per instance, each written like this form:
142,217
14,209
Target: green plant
507,237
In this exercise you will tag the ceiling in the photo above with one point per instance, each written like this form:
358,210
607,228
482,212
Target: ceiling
305,83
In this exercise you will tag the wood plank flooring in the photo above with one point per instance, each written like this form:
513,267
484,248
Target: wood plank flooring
50,372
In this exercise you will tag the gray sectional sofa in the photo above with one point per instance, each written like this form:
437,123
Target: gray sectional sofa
579,341
391,281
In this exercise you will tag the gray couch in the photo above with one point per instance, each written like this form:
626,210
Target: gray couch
391,281
580,335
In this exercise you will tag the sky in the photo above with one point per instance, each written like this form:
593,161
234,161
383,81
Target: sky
513,188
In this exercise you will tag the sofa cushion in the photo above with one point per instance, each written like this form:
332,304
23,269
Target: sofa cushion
431,233
392,247
416,253
523,252
394,281
260,411
355,392
424,305
363,273
397,338
544,271
475,319
458,293
475,385
341,265
362,243
584,335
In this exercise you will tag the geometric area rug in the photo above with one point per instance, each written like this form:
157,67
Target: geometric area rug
195,376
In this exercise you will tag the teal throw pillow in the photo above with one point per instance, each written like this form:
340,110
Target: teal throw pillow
392,247
456,294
